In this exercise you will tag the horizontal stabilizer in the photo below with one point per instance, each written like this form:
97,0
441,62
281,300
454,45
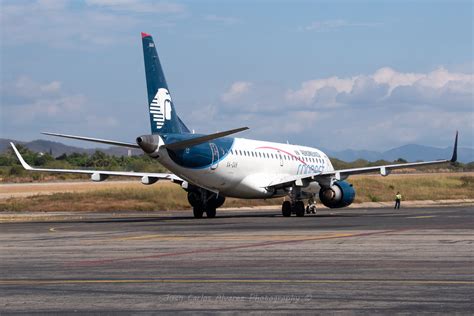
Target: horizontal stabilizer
96,140
202,139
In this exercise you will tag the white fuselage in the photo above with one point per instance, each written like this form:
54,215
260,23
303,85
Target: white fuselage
251,166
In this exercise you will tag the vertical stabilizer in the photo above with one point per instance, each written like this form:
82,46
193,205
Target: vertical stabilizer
163,116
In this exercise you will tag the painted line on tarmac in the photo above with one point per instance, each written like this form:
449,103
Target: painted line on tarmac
214,237
100,262
427,216
239,281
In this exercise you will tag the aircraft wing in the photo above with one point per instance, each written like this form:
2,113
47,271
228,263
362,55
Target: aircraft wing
325,177
288,181
386,169
100,175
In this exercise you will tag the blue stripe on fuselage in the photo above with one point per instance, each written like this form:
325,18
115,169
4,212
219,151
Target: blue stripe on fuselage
198,156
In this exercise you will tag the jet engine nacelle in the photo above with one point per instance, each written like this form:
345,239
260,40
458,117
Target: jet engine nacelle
150,144
340,194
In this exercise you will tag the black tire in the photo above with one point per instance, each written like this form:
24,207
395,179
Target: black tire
211,212
299,208
193,199
286,209
198,212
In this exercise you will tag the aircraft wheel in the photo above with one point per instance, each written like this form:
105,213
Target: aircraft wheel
286,209
299,208
211,212
198,211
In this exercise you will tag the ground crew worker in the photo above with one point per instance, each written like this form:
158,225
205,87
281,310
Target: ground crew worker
311,208
398,198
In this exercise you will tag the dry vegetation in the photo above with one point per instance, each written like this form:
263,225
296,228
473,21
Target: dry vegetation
166,196
414,187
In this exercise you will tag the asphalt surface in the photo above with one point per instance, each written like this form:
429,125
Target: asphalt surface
358,261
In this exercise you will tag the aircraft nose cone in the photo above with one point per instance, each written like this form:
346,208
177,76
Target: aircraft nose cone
147,143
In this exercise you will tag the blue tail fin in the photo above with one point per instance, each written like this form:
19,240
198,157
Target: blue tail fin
163,116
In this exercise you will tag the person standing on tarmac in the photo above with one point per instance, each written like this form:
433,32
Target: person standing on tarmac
398,199
311,208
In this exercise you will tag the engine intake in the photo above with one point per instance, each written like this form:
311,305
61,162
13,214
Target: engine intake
340,194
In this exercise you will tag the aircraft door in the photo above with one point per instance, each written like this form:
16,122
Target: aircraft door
281,159
215,156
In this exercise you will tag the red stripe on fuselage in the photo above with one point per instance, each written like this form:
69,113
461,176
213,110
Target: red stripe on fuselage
283,151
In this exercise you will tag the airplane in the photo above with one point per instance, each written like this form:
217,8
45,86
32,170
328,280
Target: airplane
211,167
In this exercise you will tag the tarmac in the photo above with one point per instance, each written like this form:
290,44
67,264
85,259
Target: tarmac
347,261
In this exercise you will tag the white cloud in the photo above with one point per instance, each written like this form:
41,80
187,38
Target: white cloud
378,111
26,101
311,89
236,90
331,25
388,86
229,20
24,86
71,24
138,6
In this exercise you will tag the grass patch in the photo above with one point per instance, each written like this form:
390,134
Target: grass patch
168,196
414,187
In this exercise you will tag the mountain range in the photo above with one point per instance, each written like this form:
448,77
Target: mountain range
57,148
409,152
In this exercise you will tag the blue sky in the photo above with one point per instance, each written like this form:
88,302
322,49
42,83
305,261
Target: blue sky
335,74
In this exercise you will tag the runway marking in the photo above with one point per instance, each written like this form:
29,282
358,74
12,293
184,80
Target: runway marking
221,249
52,229
239,281
164,237
427,216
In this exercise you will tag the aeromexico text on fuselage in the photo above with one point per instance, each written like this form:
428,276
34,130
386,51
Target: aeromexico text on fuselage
205,155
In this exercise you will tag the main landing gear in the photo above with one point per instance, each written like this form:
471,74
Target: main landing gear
296,205
204,201
288,208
